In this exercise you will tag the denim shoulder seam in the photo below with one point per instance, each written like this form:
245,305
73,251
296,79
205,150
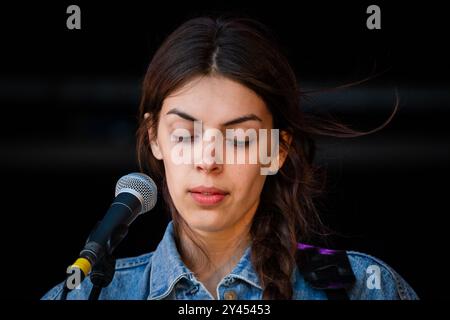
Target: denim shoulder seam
132,262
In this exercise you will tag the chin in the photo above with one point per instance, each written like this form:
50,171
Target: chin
206,221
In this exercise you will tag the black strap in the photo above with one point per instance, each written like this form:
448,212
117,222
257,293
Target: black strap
326,269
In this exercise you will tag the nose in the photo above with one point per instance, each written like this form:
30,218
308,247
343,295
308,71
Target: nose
209,168
208,163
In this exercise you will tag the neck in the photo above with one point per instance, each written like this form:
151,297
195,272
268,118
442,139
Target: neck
220,250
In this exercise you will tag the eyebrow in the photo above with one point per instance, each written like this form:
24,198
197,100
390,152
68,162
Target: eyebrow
244,118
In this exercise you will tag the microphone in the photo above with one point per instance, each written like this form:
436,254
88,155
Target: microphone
135,193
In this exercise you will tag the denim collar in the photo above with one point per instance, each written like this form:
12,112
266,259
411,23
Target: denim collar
167,268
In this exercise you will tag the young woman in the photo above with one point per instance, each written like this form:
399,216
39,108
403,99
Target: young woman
236,226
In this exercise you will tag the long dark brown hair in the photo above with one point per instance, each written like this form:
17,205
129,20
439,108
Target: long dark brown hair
245,51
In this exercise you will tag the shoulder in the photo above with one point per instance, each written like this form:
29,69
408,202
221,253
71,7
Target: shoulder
376,280
131,281
134,262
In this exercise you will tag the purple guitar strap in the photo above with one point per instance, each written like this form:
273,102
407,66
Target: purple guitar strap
326,269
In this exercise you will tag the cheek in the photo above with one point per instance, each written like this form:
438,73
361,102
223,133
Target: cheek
247,179
174,175
176,185
164,142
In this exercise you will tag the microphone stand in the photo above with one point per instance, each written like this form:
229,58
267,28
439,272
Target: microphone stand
103,271
102,275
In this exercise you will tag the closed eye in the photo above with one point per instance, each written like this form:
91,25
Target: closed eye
241,143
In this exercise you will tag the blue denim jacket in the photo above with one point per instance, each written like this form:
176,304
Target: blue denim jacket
163,275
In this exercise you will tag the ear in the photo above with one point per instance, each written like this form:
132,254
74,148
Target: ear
156,150
287,139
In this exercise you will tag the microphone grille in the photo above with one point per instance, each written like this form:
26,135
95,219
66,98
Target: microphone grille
141,186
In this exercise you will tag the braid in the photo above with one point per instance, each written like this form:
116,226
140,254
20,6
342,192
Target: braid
286,215
273,252
274,245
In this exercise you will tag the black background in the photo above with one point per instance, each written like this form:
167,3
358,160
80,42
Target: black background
69,101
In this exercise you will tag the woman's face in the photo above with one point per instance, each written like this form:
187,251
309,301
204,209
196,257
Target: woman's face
216,102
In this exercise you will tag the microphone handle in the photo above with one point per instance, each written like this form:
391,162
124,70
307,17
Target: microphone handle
122,212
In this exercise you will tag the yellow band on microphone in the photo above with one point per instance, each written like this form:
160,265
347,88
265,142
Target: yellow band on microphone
84,265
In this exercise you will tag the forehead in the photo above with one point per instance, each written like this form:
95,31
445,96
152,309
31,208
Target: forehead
215,99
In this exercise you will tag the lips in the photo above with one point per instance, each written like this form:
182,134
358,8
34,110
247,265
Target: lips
207,195
208,190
